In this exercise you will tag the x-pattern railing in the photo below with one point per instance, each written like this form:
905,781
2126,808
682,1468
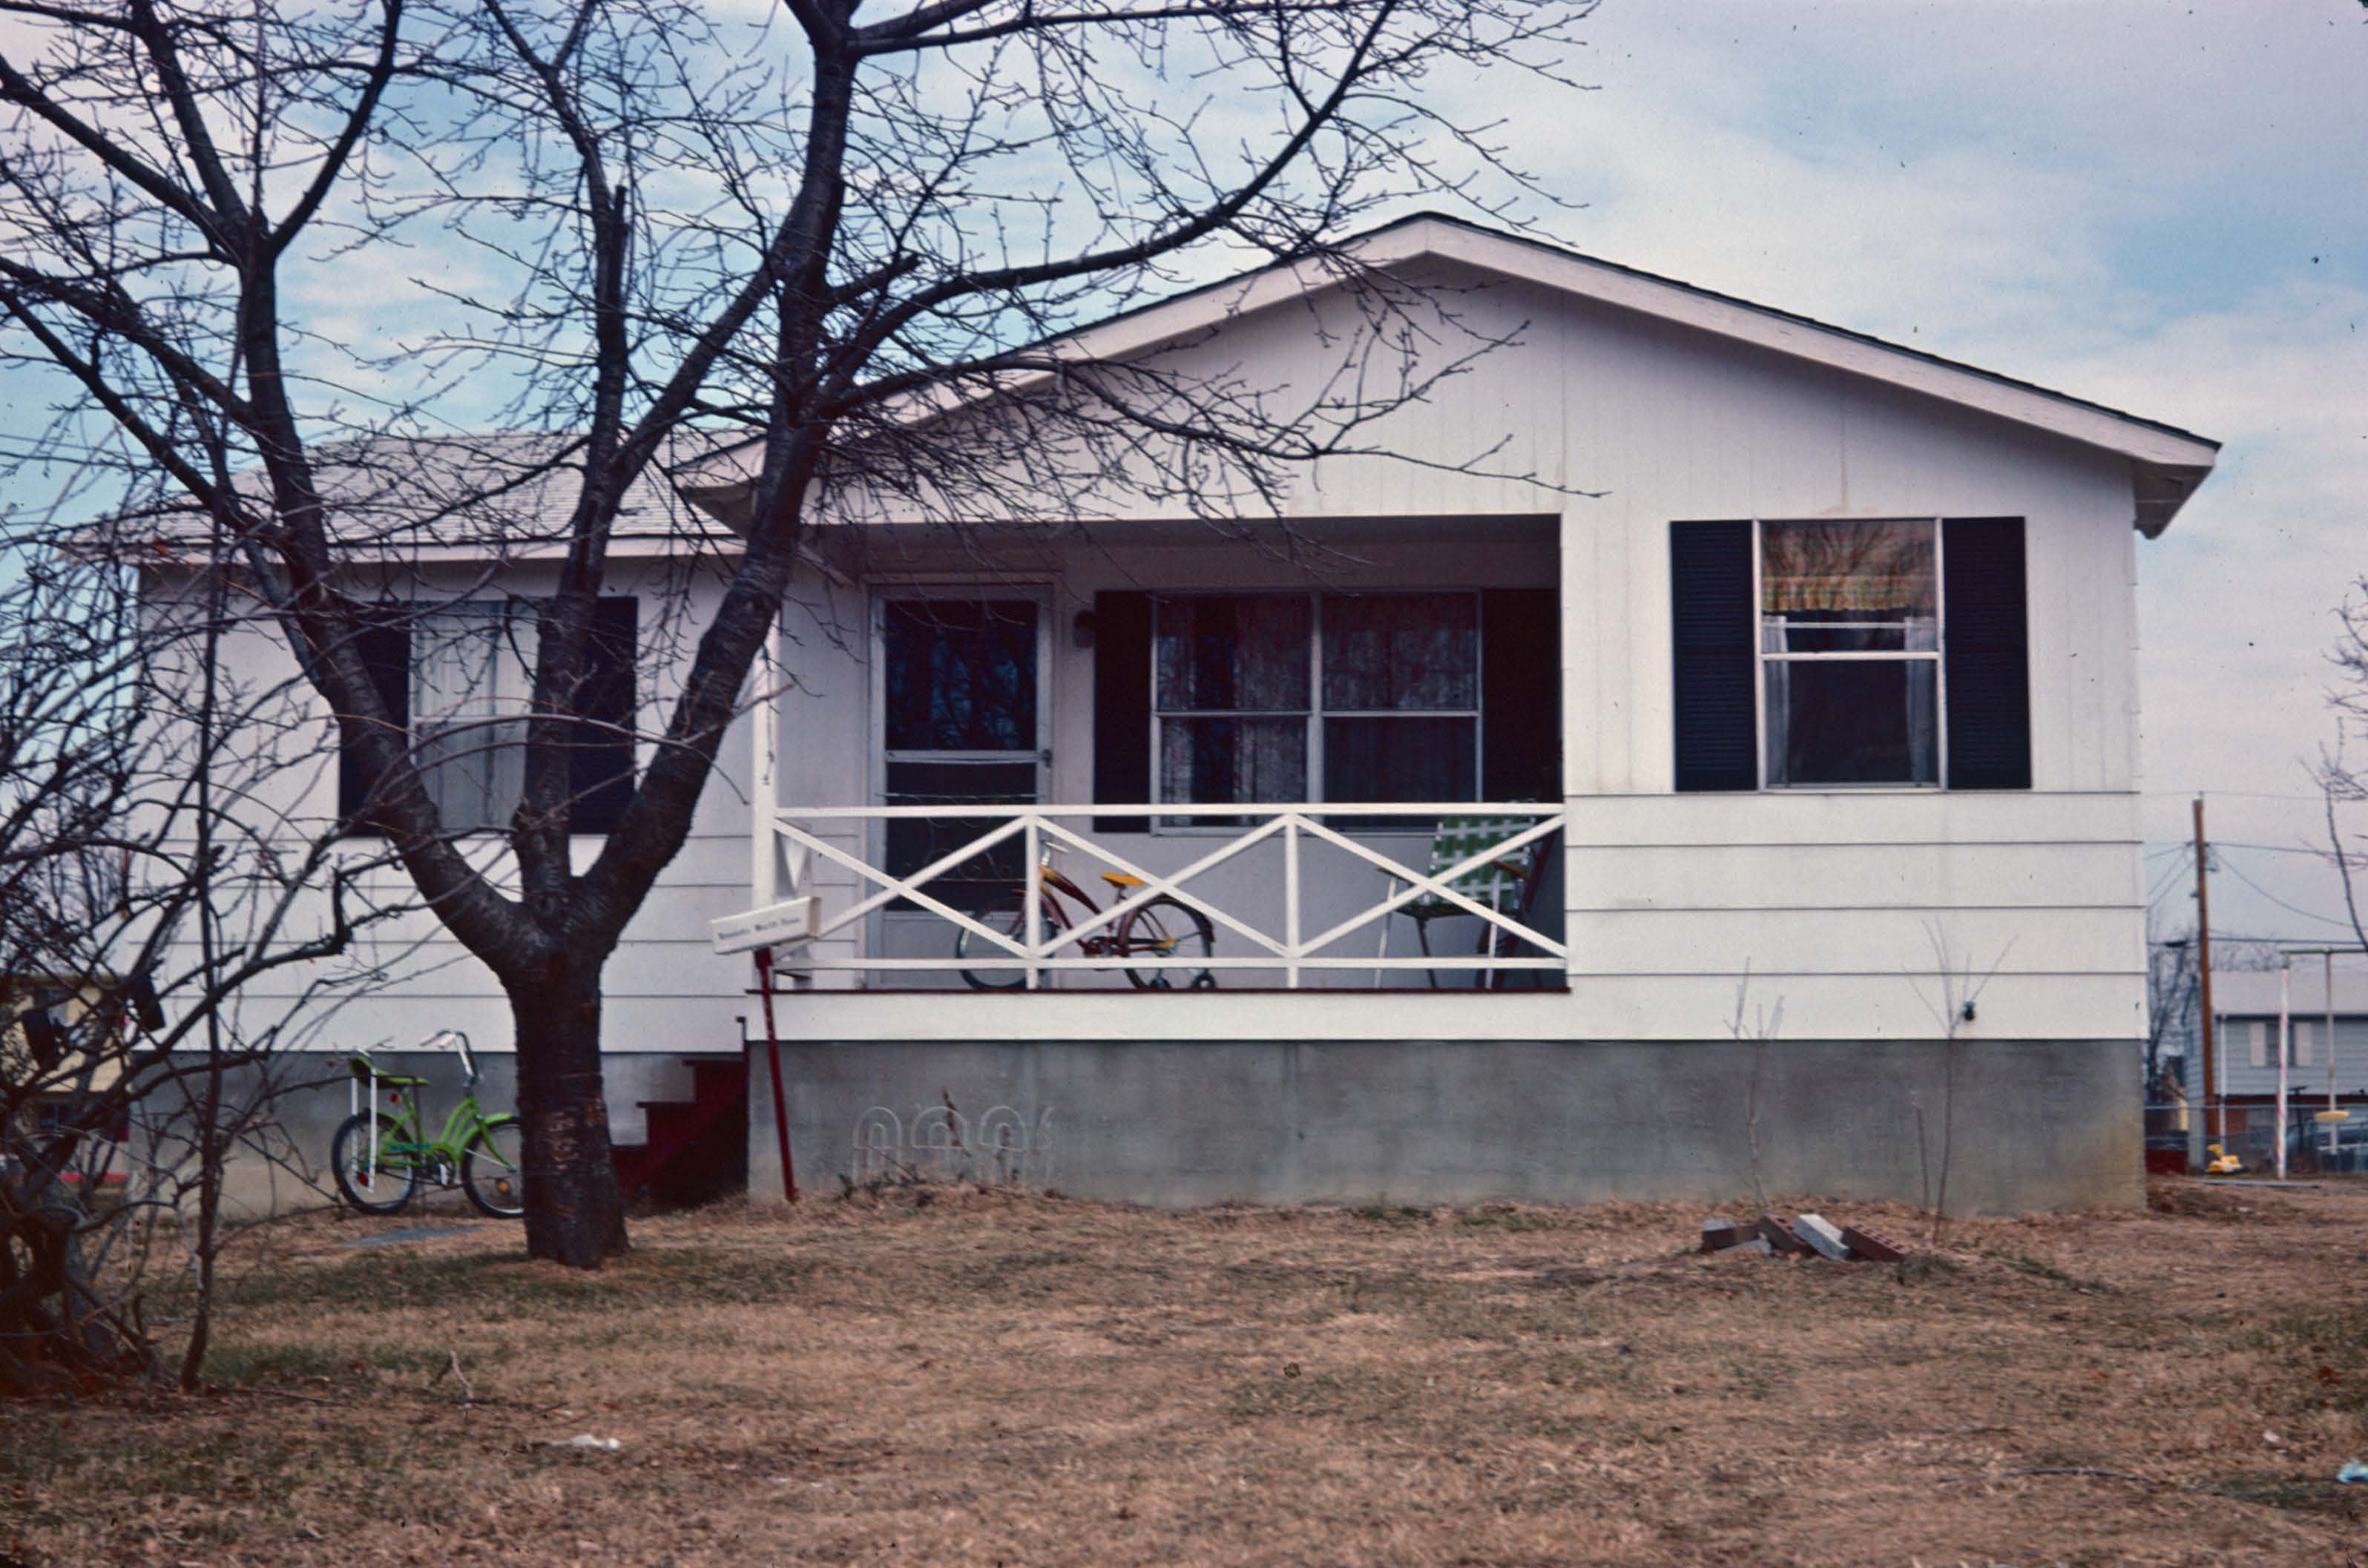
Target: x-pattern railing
1034,949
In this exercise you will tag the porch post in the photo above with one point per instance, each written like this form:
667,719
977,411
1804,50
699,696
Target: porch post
1291,902
1032,897
764,851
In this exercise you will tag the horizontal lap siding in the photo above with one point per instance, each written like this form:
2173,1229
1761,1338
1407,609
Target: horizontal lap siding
1720,942
1827,898
1670,905
1831,900
663,990
1866,1007
1891,877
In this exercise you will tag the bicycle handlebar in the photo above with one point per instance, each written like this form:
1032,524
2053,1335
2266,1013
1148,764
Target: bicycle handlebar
461,1046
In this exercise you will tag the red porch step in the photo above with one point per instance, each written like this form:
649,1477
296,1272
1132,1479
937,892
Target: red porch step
696,1147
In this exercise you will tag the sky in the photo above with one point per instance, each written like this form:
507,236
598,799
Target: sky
2161,207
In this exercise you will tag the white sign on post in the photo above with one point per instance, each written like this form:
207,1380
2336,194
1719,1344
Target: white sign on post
775,925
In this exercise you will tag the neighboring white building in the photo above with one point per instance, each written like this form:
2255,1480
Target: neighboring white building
2245,1004
2326,1060
1796,654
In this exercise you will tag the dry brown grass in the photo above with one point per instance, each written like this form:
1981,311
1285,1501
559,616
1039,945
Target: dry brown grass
950,1377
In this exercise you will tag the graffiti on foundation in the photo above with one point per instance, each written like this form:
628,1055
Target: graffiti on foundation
1002,1148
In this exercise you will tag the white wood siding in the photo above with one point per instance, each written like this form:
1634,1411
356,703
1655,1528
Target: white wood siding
664,989
1835,900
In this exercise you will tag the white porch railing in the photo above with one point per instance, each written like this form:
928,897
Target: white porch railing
795,870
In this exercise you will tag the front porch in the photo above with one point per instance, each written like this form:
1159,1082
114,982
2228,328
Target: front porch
1164,898
1325,757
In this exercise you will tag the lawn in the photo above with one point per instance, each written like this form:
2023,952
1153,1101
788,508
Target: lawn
937,1375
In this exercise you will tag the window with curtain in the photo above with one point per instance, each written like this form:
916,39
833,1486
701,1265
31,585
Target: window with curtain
471,675
1849,651
1331,697
457,677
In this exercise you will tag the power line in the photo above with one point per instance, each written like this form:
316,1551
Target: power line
2269,849
2281,903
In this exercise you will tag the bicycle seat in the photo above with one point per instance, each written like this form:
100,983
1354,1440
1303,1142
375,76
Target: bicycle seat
360,1068
1121,880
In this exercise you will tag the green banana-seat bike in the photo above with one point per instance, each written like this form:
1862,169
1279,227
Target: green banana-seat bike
381,1157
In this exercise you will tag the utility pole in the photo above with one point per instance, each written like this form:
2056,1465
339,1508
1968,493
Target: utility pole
2212,1133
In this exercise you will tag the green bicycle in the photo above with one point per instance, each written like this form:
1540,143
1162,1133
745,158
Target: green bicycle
381,1157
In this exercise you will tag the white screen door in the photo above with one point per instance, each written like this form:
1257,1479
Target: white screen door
961,704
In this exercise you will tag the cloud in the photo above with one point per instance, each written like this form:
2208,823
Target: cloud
2153,205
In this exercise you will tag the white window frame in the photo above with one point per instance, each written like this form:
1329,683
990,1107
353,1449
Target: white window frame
1314,713
1937,654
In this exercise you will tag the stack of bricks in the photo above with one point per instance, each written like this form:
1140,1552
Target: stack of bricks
1809,1236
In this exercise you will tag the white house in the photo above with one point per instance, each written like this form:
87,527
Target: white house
1786,679
1796,655
2325,1042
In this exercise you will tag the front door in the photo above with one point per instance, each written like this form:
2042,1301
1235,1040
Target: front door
961,705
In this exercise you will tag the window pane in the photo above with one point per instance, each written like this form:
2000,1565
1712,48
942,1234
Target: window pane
1852,721
1399,759
1218,653
1837,587
472,673
959,677
1216,760
1401,651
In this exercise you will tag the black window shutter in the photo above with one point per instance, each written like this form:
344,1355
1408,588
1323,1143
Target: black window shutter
1986,629
601,764
1521,695
384,644
1710,615
1121,706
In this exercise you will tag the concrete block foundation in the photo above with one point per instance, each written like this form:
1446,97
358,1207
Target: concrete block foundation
2030,1124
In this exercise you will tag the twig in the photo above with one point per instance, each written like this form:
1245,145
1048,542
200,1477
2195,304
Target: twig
2065,1470
452,1367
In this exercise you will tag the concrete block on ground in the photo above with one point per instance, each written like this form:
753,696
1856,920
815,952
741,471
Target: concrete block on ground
1756,1247
1823,1234
1873,1245
1779,1235
1719,1234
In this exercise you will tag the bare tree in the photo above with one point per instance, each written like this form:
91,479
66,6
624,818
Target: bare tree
2172,990
137,908
2341,782
1957,1005
1759,1029
858,244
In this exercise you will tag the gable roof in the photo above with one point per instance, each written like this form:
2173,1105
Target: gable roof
2168,462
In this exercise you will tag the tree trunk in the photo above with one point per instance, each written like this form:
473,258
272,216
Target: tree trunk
575,1213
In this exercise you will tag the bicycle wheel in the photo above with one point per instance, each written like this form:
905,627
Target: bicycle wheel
1167,928
380,1188
493,1168
1008,916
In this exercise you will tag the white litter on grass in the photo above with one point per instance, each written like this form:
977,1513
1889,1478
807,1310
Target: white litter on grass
583,1440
